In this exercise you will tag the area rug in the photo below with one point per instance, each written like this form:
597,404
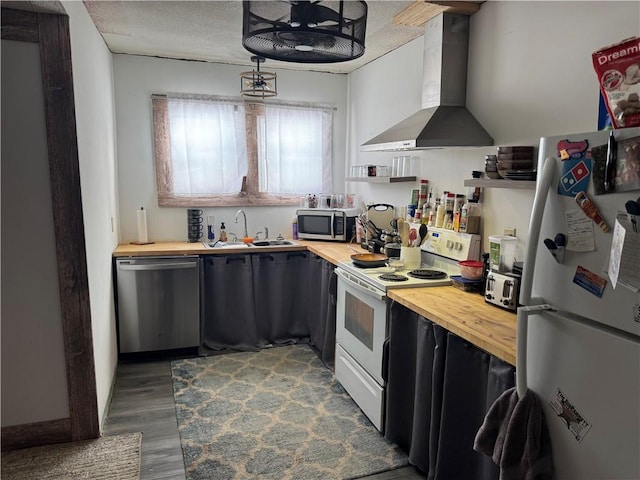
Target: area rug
115,457
274,414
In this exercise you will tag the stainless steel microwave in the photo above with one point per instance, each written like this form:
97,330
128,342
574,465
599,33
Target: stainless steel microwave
336,224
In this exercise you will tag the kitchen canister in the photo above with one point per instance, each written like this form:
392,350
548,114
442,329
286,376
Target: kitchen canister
502,252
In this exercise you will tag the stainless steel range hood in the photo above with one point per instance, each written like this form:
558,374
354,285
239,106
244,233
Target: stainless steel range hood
444,120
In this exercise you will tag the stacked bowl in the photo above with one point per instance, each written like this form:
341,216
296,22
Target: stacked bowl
516,163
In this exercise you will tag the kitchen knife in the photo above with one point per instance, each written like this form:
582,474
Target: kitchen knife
610,165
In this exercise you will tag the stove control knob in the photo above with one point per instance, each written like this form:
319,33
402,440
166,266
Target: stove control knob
489,296
449,244
458,246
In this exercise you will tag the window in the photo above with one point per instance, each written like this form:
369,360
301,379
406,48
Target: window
215,151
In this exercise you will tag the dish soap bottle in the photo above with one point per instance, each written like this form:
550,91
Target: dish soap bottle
223,233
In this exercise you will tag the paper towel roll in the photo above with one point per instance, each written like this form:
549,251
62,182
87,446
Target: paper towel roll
142,225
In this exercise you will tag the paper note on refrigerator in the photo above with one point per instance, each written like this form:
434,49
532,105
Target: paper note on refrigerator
624,261
580,232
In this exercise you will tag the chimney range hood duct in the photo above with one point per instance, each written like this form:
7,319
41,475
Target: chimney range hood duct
444,120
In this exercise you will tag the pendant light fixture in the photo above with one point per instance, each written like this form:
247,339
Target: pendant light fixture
304,31
256,83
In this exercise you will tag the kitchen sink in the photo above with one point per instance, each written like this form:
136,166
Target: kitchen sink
272,243
221,245
257,244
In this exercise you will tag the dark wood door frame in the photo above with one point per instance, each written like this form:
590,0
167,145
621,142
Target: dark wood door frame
51,32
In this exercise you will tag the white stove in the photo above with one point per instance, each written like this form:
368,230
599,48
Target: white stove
362,309
384,278
440,254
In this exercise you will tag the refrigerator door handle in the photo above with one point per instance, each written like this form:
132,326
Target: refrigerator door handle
535,224
522,321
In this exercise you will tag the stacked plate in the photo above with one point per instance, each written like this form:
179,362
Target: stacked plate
516,163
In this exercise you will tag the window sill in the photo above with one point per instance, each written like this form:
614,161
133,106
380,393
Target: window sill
237,200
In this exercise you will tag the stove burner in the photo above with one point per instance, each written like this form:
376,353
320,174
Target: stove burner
393,277
427,274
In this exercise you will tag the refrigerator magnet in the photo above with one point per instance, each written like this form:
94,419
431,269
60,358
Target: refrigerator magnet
591,282
575,176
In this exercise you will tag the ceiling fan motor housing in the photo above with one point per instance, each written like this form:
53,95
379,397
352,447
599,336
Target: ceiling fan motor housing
304,31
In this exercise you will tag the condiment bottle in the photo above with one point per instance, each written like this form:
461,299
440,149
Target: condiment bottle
440,212
449,203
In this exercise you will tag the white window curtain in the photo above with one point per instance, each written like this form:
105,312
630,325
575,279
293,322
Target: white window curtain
208,144
295,155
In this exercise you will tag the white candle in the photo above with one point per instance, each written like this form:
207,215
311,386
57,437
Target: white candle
142,225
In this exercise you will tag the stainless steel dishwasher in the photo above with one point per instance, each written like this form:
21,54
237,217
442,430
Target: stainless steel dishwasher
158,303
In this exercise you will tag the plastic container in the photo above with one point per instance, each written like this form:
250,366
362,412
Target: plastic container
502,252
471,269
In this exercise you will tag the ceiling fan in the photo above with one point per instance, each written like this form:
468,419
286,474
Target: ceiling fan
305,31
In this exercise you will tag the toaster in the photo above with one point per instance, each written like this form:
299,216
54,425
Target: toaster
502,289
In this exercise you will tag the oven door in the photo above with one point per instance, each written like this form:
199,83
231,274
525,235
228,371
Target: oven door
361,322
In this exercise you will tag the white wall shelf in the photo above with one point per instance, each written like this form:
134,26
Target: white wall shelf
381,179
500,183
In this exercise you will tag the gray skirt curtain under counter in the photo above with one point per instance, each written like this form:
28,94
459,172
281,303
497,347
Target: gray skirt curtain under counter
439,388
249,301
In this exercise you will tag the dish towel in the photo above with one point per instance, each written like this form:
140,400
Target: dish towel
514,434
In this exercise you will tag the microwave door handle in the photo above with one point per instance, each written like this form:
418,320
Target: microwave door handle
333,224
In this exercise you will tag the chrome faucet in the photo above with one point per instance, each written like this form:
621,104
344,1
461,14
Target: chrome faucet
246,232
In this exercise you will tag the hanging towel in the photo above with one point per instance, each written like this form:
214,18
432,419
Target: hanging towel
514,434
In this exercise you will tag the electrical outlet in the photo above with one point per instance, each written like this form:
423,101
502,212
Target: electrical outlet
510,231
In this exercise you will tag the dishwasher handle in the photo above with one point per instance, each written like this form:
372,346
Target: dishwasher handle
157,266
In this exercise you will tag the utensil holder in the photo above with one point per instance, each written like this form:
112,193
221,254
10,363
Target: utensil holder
411,257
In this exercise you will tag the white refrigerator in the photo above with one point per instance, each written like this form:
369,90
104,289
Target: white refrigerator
580,351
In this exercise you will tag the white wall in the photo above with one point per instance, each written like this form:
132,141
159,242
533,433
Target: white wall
530,75
95,121
137,78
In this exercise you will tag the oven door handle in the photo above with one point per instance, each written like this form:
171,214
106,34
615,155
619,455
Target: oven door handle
359,285
385,360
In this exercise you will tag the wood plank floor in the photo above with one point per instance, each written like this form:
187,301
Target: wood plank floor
143,402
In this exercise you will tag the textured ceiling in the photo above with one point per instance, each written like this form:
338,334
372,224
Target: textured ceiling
212,31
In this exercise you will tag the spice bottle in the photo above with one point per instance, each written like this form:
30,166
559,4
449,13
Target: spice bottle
470,218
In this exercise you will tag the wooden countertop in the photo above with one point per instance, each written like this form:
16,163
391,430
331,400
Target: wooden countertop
465,314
